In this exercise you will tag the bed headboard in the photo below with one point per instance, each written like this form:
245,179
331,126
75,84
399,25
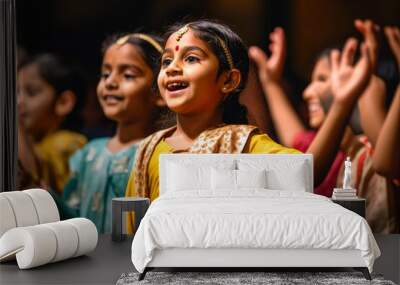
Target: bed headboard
285,170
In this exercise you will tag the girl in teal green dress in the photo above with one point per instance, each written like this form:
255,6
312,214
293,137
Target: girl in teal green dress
101,169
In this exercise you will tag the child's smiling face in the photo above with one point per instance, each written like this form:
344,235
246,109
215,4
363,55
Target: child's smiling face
316,90
36,101
188,79
124,90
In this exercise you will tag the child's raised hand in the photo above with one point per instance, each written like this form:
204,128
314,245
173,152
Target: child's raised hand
270,68
348,80
369,31
393,36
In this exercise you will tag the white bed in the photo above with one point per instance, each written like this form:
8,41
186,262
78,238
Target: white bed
267,218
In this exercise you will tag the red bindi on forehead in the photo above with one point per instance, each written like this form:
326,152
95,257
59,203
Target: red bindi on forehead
177,47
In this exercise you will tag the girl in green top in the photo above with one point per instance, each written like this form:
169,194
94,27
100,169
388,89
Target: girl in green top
101,169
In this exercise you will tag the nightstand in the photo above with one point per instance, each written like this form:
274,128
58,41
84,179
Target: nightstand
138,205
356,205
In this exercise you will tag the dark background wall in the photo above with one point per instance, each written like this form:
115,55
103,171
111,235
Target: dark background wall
76,28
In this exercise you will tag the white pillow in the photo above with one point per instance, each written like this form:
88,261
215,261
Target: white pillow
187,174
296,181
236,179
283,174
223,179
251,178
183,178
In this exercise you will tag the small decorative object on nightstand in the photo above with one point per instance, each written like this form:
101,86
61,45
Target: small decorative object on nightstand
139,205
347,192
347,196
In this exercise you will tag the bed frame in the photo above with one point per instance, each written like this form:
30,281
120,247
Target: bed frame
242,259
246,258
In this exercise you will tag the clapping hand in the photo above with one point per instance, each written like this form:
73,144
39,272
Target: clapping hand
270,68
348,79
369,31
393,36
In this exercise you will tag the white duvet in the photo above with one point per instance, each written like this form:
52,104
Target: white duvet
254,218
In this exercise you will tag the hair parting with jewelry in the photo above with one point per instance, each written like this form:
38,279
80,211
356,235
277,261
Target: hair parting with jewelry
150,49
148,45
231,53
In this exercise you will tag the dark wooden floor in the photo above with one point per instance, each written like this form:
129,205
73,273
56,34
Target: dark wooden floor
106,264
